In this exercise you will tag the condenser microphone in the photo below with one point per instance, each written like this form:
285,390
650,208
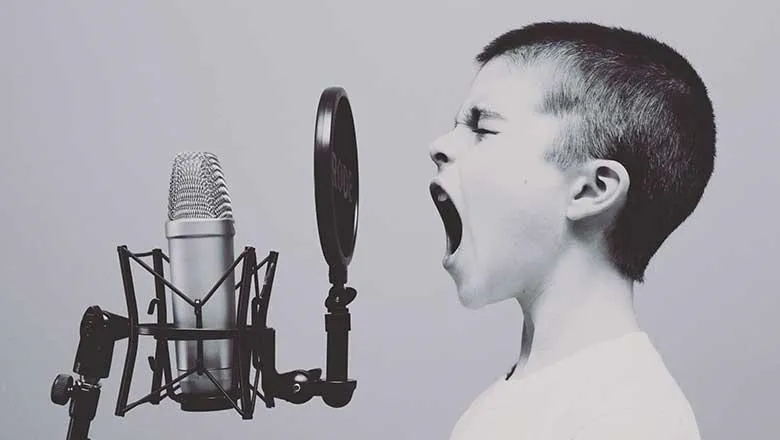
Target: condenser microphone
200,231
219,327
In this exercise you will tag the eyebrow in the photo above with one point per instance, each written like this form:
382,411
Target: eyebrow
476,112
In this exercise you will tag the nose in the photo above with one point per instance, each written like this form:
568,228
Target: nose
441,152
439,158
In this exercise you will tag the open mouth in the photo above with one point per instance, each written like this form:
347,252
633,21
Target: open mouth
453,225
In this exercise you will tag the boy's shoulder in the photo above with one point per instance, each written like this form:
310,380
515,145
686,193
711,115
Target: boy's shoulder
628,392
603,392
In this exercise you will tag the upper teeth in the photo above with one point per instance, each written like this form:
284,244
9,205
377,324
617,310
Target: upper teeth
441,197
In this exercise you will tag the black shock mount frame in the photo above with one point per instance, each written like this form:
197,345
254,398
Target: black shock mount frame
253,347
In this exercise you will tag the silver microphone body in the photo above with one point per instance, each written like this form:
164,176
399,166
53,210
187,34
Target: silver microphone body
200,234
201,250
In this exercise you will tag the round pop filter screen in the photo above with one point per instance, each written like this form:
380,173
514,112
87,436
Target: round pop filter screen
336,180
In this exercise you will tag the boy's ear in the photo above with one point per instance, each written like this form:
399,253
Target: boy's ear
598,187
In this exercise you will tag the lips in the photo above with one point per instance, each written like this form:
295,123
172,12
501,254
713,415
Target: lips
453,225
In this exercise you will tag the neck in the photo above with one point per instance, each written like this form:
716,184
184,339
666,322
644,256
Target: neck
585,301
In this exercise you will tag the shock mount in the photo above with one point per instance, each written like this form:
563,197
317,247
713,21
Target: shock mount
253,342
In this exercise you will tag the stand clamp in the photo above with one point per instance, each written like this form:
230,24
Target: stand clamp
99,330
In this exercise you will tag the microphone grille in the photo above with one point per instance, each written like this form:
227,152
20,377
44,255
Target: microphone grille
198,188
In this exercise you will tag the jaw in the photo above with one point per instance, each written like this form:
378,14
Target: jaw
476,280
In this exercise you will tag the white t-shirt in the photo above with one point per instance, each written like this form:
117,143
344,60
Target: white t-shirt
615,390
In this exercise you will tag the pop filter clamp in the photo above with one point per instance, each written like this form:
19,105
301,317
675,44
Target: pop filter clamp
336,198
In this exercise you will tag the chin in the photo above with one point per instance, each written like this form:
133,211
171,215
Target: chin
470,302
473,297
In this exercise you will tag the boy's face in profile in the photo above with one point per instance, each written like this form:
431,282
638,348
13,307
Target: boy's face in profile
510,201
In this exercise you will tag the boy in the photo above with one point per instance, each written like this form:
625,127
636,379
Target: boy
579,149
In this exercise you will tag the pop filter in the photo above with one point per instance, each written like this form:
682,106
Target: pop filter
336,181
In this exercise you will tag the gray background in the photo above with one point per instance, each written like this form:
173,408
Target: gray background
96,98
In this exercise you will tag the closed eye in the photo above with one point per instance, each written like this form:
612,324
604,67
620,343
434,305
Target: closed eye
472,120
481,133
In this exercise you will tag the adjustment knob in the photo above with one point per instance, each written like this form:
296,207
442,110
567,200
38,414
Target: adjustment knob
61,389
298,386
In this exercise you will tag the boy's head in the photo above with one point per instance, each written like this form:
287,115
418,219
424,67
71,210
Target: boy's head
573,135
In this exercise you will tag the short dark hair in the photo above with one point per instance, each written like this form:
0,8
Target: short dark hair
630,98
